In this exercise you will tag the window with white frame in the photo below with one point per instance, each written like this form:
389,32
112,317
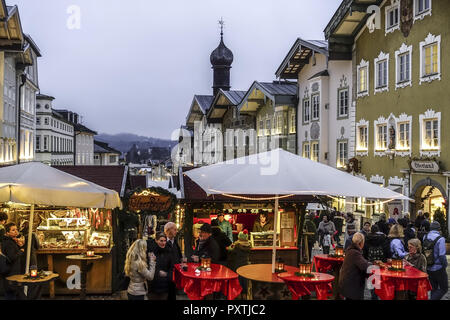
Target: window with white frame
393,16
261,126
342,153
403,66
381,137
306,150
306,111
382,72
315,107
422,8
292,127
430,133
46,121
403,136
363,78
343,103
315,151
363,138
267,126
280,123
430,59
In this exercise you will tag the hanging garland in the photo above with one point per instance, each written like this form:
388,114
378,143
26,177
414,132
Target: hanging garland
145,201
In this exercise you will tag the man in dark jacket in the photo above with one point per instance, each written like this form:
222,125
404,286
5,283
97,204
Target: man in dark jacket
354,270
310,227
383,225
222,240
170,229
11,248
206,245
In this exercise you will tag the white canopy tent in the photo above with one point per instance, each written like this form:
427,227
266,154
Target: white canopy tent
35,183
280,173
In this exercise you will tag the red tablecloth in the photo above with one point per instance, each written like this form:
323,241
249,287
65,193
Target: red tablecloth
302,286
411,279
325,263
199,285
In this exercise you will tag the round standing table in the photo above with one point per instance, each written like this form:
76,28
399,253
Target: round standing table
302,286
197,285
324,263
23,280
85,267
395,284
263,284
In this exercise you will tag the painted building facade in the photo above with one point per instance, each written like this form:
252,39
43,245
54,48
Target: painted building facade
54,134
401,93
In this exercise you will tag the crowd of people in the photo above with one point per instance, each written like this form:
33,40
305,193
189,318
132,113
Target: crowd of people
149,263
13,248
418,242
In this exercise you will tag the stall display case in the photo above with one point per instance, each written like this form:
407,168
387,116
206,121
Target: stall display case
99,240
263,239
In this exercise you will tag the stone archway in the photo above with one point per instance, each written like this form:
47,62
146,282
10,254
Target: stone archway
417,191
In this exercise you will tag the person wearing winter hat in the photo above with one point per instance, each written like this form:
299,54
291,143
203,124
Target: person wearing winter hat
238,256
351,230
206,245
434,249
222,240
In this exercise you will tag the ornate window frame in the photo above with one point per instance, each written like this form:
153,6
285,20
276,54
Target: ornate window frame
306,99
363,64
381,57
378,180
420,16
394,4
430,39
402,50
397,182
429,115
403,118
338,143
312,144
381,121
304,144
359,151
313,96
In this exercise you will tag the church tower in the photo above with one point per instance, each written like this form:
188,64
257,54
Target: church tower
221,60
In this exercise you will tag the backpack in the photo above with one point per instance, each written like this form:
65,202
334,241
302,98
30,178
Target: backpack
4,265
428,249
375,253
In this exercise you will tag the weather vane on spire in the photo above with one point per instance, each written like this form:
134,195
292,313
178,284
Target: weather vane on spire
221,23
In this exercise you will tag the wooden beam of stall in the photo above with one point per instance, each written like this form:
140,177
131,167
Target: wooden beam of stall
302,211
188,229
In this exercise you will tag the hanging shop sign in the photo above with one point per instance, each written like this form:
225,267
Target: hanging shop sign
425,166
157,201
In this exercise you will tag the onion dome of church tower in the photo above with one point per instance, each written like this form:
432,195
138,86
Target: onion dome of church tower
221,59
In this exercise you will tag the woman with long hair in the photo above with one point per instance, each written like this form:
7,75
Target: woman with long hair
397,245
138,269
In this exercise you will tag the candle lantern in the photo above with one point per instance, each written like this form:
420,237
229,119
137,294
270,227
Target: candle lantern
33,272
305,268
205,263
339,251
90,253
397,263
279,266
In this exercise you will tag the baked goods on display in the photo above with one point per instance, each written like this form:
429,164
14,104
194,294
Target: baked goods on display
99,239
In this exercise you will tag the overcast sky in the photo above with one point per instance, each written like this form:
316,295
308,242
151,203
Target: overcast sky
134,65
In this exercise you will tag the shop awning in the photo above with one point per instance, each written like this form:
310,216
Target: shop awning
279,172
37,183
316,206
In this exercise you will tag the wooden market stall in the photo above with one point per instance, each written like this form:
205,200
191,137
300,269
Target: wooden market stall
242,212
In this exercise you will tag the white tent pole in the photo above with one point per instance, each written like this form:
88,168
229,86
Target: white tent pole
275,223
30,234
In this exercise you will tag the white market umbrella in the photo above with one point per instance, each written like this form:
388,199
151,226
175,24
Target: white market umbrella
280,173
38,184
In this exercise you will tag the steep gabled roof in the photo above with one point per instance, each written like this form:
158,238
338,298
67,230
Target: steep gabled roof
219,106
203,102
298,56
103,147
280,92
